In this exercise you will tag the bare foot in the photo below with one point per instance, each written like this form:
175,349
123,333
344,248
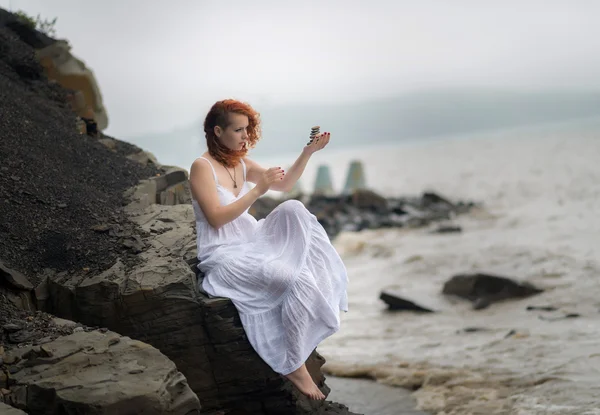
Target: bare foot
301,378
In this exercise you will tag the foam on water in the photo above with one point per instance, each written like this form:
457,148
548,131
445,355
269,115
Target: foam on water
540,223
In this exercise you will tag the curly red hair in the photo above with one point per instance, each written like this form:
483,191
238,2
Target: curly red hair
219,115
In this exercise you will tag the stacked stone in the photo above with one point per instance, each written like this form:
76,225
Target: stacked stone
313,134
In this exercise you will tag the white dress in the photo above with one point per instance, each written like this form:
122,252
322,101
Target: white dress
282,274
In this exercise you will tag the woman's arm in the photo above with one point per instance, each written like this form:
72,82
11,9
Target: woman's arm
204,190
295,171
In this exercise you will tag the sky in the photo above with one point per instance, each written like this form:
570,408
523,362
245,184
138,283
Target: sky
161,65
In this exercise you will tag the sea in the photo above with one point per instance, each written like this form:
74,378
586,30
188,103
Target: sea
537,219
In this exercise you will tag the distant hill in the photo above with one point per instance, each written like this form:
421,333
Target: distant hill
407,117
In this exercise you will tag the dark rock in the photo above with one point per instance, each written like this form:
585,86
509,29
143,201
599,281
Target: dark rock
396,303
14,279
22,336
447,229
365,209
431,199
364,199
14,369
484,289
472,330
135,244
563,317
541,308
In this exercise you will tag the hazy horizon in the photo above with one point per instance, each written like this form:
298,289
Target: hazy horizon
412,117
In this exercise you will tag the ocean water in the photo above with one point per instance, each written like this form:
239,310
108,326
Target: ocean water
539,222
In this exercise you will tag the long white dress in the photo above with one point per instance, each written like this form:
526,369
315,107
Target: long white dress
282,274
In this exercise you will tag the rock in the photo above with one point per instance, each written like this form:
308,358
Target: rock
484,289
541,308
176,194
397,303
422,217
19,298
435,202
447,229
14,279
563,317
134,243
61,322
21,336
143,157
41,294
110,143
84,373
368,200
70,72
9,410
472,330
159,303
171,188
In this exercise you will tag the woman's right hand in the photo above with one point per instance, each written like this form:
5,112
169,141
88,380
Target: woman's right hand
268,177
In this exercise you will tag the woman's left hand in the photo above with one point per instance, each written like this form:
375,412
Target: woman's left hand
318,143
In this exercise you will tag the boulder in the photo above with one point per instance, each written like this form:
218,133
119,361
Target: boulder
70,72
14,279
484,289
369,200
447,229
16,288
97,373
142,157
158,302
398,302
170,188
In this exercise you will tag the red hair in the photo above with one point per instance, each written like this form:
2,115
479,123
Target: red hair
219,115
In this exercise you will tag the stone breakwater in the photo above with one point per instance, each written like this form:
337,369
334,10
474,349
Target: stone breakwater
365,209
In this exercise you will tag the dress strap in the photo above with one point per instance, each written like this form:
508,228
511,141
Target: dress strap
213,169
244,166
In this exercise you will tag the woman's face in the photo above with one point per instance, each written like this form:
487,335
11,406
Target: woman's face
234,137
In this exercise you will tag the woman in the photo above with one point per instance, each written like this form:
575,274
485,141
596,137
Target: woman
282,273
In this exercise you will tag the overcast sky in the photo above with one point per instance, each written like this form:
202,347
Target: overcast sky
162,64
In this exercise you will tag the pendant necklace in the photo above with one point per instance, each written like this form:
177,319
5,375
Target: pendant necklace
233,178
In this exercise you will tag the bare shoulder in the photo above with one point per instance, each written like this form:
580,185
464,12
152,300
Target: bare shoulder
202,181
200,166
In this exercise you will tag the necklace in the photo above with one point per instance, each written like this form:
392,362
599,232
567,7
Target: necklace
233,178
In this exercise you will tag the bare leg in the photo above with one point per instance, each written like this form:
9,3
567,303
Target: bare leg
301,378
